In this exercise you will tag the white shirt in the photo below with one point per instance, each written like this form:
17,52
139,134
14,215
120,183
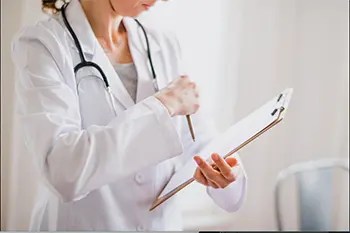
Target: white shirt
128,75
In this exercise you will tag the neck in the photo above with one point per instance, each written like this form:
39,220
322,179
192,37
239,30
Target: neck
105,23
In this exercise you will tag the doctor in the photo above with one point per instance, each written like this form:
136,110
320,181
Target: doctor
102,100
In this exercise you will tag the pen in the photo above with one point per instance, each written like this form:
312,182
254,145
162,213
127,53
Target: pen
274,112
279,98
189,122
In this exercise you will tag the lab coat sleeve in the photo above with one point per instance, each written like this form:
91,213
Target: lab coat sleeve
232,197
75,161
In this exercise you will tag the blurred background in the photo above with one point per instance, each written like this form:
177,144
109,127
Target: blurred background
241,53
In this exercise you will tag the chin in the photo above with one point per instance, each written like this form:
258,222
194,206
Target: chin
131,14
136,14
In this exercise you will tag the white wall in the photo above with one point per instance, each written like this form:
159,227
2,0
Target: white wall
304,45
11,19
16,203
243,52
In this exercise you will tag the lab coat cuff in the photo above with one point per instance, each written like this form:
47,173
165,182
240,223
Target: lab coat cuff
232,197
171,136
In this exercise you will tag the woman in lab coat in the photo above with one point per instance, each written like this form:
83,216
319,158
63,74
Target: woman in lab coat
107,159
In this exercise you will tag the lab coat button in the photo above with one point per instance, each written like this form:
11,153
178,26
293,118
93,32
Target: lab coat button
139,178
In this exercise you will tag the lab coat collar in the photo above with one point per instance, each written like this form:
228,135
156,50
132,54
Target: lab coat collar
81,26
137,37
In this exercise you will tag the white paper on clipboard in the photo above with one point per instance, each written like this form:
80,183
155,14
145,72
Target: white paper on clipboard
235,136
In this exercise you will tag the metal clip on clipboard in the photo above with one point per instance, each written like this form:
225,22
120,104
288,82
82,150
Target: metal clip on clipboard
237,137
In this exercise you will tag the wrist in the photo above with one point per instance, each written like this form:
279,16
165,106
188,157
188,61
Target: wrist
169,107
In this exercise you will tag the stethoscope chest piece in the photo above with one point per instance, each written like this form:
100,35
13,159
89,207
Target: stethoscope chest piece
155,84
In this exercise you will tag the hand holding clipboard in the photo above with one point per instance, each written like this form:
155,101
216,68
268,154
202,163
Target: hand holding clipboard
234,139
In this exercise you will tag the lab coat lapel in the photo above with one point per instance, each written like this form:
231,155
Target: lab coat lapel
81,27
117,87
138,48
92,49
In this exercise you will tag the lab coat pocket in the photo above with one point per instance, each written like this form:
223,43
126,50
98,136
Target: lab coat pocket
95,103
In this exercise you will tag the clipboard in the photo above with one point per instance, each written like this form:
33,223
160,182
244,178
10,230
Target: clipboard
231,141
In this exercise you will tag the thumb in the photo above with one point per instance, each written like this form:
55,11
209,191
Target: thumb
231,161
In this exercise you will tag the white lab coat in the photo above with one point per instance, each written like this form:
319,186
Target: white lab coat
106,170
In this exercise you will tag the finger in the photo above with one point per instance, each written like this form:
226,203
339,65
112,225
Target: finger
224,167
213,185
200,178
206,169
211,174
210,183
193,85
195,107
184,81
231,161
220,182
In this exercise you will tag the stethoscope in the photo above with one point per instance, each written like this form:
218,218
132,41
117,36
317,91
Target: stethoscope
84,63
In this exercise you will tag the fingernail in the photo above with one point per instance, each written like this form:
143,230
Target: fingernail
231,175
215,157
236,162
198,161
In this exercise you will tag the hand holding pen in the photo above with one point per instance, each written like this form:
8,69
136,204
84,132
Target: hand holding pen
180,97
